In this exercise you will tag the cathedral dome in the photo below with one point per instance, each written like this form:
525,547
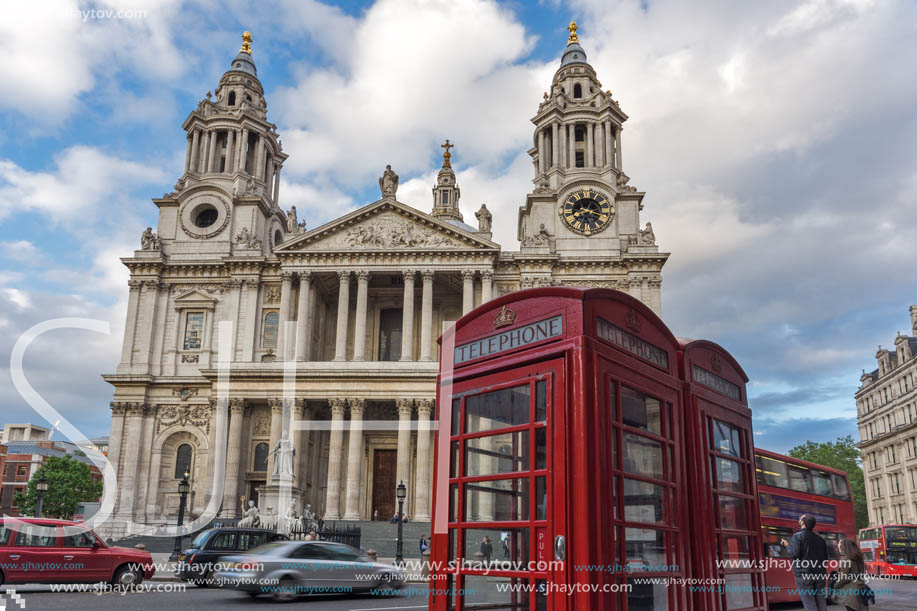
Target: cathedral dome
574,53
243,63
243,60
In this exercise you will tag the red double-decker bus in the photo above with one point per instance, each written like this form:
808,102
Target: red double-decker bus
890,549
787,488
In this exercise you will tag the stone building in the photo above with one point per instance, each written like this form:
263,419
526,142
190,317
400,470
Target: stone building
887,419
350,310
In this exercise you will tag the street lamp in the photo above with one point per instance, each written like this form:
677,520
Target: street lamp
41,486
183,488
401,492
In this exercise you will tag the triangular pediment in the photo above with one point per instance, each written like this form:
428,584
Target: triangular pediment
387,225
195,299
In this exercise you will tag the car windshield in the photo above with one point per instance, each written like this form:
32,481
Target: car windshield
198,542
268,548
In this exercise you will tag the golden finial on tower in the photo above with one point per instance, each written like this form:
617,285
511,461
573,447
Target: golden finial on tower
246,42
573,37
447,155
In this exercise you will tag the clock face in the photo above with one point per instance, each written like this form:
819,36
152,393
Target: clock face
587,211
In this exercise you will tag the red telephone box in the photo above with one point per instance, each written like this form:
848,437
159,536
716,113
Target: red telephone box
722,471
562,433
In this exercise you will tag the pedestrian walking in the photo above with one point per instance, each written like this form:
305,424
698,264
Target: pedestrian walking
850,587
487,549
506,548
809,553
424,546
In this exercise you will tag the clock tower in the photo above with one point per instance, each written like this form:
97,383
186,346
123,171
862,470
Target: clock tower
582,209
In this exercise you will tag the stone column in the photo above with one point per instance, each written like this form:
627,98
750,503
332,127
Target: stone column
562,145
128,481
302,314
285,297
118,410
599,145
133,301
243,150
340,339
590,144
188,154
276,431
618,148
609,149
422,470
487,286
542,162
195,149
153,509
405,411
295,438
211,151
467,291
426,317
554,143
571,146
233,453
355,459
258,169
247,339
333,490
407,319
230,150
276,183
359,333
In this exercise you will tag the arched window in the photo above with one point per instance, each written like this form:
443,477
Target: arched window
260,463
232,98
248,98
577,91
278,238
269,330
182,460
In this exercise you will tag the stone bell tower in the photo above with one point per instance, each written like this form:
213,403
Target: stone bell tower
227,201
582,212
446,193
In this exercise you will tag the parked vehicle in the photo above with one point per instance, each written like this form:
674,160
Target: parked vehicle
196,564
288,569
29,555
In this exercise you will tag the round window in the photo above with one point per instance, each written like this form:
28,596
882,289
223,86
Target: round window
206,217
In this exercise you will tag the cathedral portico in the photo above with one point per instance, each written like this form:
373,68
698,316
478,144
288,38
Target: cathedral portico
348,312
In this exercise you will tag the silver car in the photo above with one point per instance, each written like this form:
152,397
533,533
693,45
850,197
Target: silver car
288,569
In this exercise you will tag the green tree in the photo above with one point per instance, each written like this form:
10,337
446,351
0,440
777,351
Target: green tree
843,455
69,483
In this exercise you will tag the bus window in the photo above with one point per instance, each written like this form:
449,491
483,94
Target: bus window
831,540
822,483
840,487
895,557
799,479
867,555
771,472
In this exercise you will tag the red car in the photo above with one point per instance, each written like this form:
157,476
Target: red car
28,555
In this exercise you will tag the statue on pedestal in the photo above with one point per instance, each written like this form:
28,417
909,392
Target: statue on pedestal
485,218
252,517
308,519
283,454
388,183
291,518
269,520
149,240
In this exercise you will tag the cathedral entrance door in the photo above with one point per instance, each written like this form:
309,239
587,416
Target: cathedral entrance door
384,474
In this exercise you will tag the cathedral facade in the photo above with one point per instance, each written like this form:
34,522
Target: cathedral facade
341,320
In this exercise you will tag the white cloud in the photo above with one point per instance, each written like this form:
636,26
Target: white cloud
84,180
18,298
412,75
20,250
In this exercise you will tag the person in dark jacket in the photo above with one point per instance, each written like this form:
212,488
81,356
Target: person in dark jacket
809,553
424,545
850,586
487,549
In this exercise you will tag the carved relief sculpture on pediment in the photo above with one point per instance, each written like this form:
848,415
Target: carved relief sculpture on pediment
390,231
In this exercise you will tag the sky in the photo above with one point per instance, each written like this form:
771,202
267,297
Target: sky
775,142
